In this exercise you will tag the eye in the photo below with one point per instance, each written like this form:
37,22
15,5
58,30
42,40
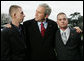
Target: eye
64,18
22,13
59,19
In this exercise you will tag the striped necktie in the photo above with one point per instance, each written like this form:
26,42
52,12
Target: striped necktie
64,37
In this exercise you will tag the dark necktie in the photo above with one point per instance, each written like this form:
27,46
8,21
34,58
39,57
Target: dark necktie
42,29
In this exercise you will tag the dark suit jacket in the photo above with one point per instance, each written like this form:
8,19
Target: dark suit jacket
12,44
70,51
40,48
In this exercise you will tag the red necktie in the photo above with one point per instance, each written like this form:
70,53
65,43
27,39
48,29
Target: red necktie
42,29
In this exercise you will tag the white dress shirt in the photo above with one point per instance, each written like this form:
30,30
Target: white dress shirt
67,33
44,23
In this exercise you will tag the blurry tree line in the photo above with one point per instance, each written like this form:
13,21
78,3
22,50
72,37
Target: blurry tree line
5,18
76,20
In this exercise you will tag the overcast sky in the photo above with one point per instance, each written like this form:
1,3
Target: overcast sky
29,7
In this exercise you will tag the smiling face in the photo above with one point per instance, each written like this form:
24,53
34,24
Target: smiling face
62,21
40,14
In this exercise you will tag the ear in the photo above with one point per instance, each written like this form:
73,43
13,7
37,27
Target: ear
14,15
46,16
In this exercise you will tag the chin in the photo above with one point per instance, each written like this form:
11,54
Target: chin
36,19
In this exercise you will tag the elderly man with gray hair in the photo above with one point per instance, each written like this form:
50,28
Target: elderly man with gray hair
40,33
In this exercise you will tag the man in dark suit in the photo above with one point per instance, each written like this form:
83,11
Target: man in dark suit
13,46
68,41
41,45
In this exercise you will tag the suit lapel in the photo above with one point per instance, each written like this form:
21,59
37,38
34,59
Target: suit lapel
69,39
36,28
48,29
70,36
59,36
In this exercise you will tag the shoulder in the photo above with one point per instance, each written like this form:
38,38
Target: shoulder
73,30
5,31
28,21
52,22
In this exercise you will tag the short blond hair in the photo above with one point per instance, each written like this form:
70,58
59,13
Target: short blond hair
12,9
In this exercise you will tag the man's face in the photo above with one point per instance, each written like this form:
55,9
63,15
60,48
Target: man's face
40,13
20,15
62,21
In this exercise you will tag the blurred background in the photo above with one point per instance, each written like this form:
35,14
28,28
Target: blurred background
73,10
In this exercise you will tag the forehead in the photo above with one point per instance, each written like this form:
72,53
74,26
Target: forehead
20,10
62,16
41,8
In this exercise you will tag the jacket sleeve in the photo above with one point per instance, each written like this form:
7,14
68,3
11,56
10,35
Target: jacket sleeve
81,45
5,48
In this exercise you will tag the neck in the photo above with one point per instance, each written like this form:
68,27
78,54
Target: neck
16,23
42,20
63,29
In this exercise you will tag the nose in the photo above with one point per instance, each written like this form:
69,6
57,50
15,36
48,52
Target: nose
36,14
62,21
23,15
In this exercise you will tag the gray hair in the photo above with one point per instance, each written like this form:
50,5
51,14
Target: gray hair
47,8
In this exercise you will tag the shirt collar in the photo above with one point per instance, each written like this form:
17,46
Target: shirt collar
67,29
18,28
43,22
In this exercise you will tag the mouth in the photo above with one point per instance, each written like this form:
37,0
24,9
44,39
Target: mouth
36,16
62,24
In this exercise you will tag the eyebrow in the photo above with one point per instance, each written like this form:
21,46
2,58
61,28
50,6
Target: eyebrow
63,18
